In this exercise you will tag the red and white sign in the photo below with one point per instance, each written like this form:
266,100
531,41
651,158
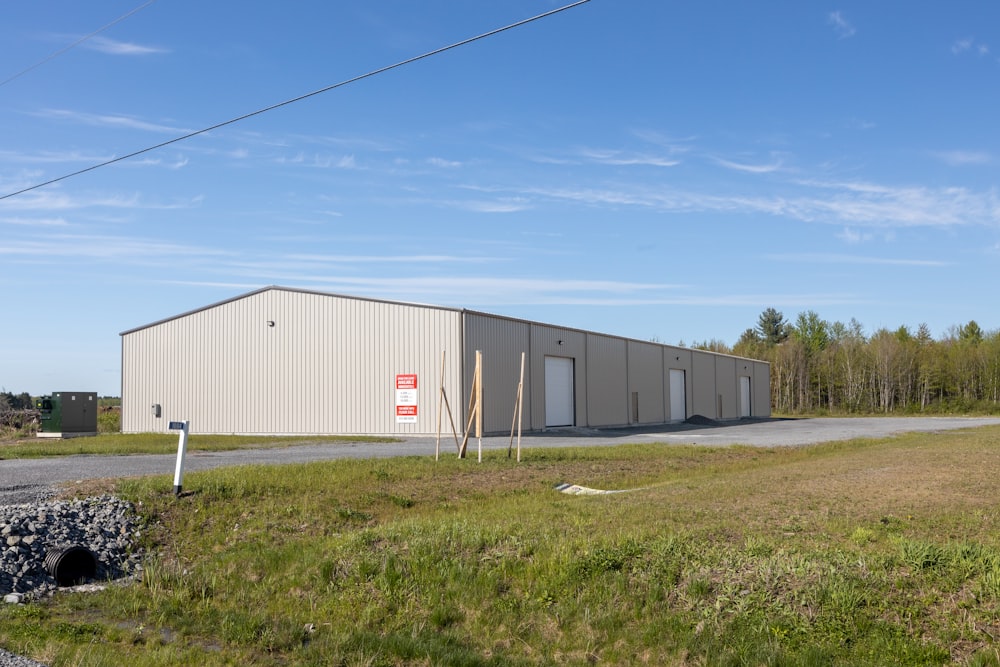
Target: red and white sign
406,398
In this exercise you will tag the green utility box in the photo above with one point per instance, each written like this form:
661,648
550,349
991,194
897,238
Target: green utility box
67,414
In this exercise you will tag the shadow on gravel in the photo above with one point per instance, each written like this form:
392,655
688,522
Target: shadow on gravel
692,423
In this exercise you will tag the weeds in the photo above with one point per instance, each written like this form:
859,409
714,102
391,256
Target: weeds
412,561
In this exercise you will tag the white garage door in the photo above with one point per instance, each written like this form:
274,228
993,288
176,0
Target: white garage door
559,404
744,397
678,396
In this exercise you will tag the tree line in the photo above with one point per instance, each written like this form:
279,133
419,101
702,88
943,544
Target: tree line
818,365
11,401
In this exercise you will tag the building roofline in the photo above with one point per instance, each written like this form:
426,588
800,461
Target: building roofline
608,335
462,311
280,288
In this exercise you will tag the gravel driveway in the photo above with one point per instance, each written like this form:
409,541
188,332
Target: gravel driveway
27,480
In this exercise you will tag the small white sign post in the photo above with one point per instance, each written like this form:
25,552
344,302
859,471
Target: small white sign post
183,427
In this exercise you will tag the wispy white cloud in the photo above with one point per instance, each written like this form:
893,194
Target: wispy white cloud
52,157
841,25
853,203
366,144
673,144
485,286
57,200
116,48
748,168
959,158
622,158
498,205
834,258
391,259
127,249
109,120
962,45
492,292
899,206
970,44
318,161
664,154
444,164
177,163
854,236
35,222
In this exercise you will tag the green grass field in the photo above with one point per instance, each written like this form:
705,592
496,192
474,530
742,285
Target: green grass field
858,553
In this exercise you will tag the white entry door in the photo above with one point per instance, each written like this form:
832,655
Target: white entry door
744,397
678,396
560,406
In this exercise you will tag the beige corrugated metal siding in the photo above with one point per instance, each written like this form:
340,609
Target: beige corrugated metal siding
327,365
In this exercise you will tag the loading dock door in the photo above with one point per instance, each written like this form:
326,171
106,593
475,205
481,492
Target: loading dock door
678,396
744,397
559,395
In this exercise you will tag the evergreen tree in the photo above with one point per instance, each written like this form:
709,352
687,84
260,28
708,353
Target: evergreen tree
970,333
772,327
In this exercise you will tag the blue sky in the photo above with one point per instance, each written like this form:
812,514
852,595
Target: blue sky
643,168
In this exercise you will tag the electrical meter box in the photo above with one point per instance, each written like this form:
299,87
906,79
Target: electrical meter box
67,414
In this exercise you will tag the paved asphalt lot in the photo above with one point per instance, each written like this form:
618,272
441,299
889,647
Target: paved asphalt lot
24,480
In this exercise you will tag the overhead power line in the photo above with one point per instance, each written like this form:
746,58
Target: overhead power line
293,100
76,43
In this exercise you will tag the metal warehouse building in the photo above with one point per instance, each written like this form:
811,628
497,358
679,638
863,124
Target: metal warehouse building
290,361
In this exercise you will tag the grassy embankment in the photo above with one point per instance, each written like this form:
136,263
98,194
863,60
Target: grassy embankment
859,553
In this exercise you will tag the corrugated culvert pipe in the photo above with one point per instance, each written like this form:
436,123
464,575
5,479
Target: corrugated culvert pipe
71,565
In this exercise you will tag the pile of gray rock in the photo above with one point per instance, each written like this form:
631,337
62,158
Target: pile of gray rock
108,526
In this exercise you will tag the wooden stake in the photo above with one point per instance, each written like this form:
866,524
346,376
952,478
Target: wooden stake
518,408
451,417
474,406
443,398
479,403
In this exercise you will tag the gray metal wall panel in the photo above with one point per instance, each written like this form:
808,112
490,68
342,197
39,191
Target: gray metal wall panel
761,388
648,378
556,342
607,381
502,341
727,387
702,384
326,366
